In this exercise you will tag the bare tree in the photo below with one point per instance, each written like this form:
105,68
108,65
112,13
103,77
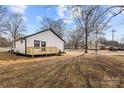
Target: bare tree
75,37
98,29
15,26
85,20
90,19
58,26
3,12
102,23
46,23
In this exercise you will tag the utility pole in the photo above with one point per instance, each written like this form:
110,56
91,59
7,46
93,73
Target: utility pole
113,31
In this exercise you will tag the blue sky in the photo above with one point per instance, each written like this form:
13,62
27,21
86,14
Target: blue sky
118,25
33,14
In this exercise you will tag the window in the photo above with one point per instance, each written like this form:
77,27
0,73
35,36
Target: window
36,43
43,45
21,41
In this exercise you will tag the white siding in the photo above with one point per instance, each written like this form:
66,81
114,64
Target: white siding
49,37
20,47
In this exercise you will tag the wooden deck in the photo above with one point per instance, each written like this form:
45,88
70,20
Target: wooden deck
42,50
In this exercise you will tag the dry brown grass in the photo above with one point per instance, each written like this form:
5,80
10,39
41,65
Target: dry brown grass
65,71
8,56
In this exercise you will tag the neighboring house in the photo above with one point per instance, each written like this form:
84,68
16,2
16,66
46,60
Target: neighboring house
99,46
43,42
110,47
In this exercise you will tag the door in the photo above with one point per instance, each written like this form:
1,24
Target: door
43,46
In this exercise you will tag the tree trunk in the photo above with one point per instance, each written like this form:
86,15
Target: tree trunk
96,44
86,38
76,45
14,44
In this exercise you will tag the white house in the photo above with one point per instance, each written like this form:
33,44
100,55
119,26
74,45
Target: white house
43,42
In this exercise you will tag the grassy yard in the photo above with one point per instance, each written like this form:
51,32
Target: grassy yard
4,56
65,71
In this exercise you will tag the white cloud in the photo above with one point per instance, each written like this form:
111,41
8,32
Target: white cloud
61,10
75,12
19,9
67,21
39,18
24,19
109,14
68,13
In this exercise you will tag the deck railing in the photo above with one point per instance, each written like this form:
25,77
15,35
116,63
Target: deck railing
41,50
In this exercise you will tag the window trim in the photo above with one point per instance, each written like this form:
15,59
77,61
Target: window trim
39,44
43,47
43,42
